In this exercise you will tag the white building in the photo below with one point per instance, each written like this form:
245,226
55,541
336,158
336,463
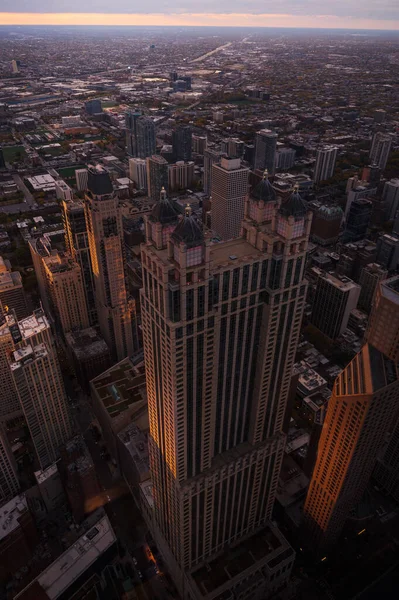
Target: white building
390,197
325,163
63,190
81,176
180,175
380,149
138,172
229,190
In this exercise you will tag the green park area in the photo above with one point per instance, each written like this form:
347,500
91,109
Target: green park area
13,153
68,173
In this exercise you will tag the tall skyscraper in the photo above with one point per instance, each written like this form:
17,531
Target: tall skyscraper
211,157
65,287
40,388
105,235
325,164
229,191
140,134
12,294
138,173
390,198
81,176
360,413
182,143
388,251
220,328
199,143
9,483
335,297
9,405
180,175
93,107
370,276
380,149
77,244
358,220
157,176
265,150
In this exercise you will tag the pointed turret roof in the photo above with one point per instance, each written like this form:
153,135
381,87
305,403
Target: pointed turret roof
294,206
264,190
164,211
188,230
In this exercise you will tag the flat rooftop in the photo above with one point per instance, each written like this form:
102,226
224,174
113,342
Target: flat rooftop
86,343
121,386
10,513
390,289
268,546
136,442
34,324
233,251
339,281
64,571
41,476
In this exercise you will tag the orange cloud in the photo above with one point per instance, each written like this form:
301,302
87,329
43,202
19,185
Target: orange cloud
197,19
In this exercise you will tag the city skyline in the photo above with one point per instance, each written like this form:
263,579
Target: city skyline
204,19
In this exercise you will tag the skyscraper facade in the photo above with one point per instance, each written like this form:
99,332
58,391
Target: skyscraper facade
138,173
140,135
65,285
211,157
335,298
358,220
359,414
182,143
9,405
325,164
105,235
37,376
370,276
157,176
77,245
9,484
380,149
361,411
265,150
229,192
220,328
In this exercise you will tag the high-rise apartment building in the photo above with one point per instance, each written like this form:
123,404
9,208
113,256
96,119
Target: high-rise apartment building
138,173
359,414
380,149
40,388
180,176
390,198
229,191
358,220
157,176
211,157
140,134
77,245
182,143
388,251
220,328
325,164
9,483
370,276
9,405
265,150
335,297
93,107
65,286
81,176
12,293
199,143
105,235
285,158
361,411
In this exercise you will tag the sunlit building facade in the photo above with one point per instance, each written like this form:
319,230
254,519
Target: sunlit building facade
220,327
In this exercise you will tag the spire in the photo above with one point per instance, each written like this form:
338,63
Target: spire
188,230
264,189
294,206
164,211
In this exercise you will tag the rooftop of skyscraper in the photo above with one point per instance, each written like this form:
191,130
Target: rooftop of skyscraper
10,513
390,288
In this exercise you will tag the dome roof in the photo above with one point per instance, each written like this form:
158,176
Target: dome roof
188,230
264,190
330,212
294,206
164,211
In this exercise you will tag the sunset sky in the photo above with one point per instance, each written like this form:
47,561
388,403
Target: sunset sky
365,14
